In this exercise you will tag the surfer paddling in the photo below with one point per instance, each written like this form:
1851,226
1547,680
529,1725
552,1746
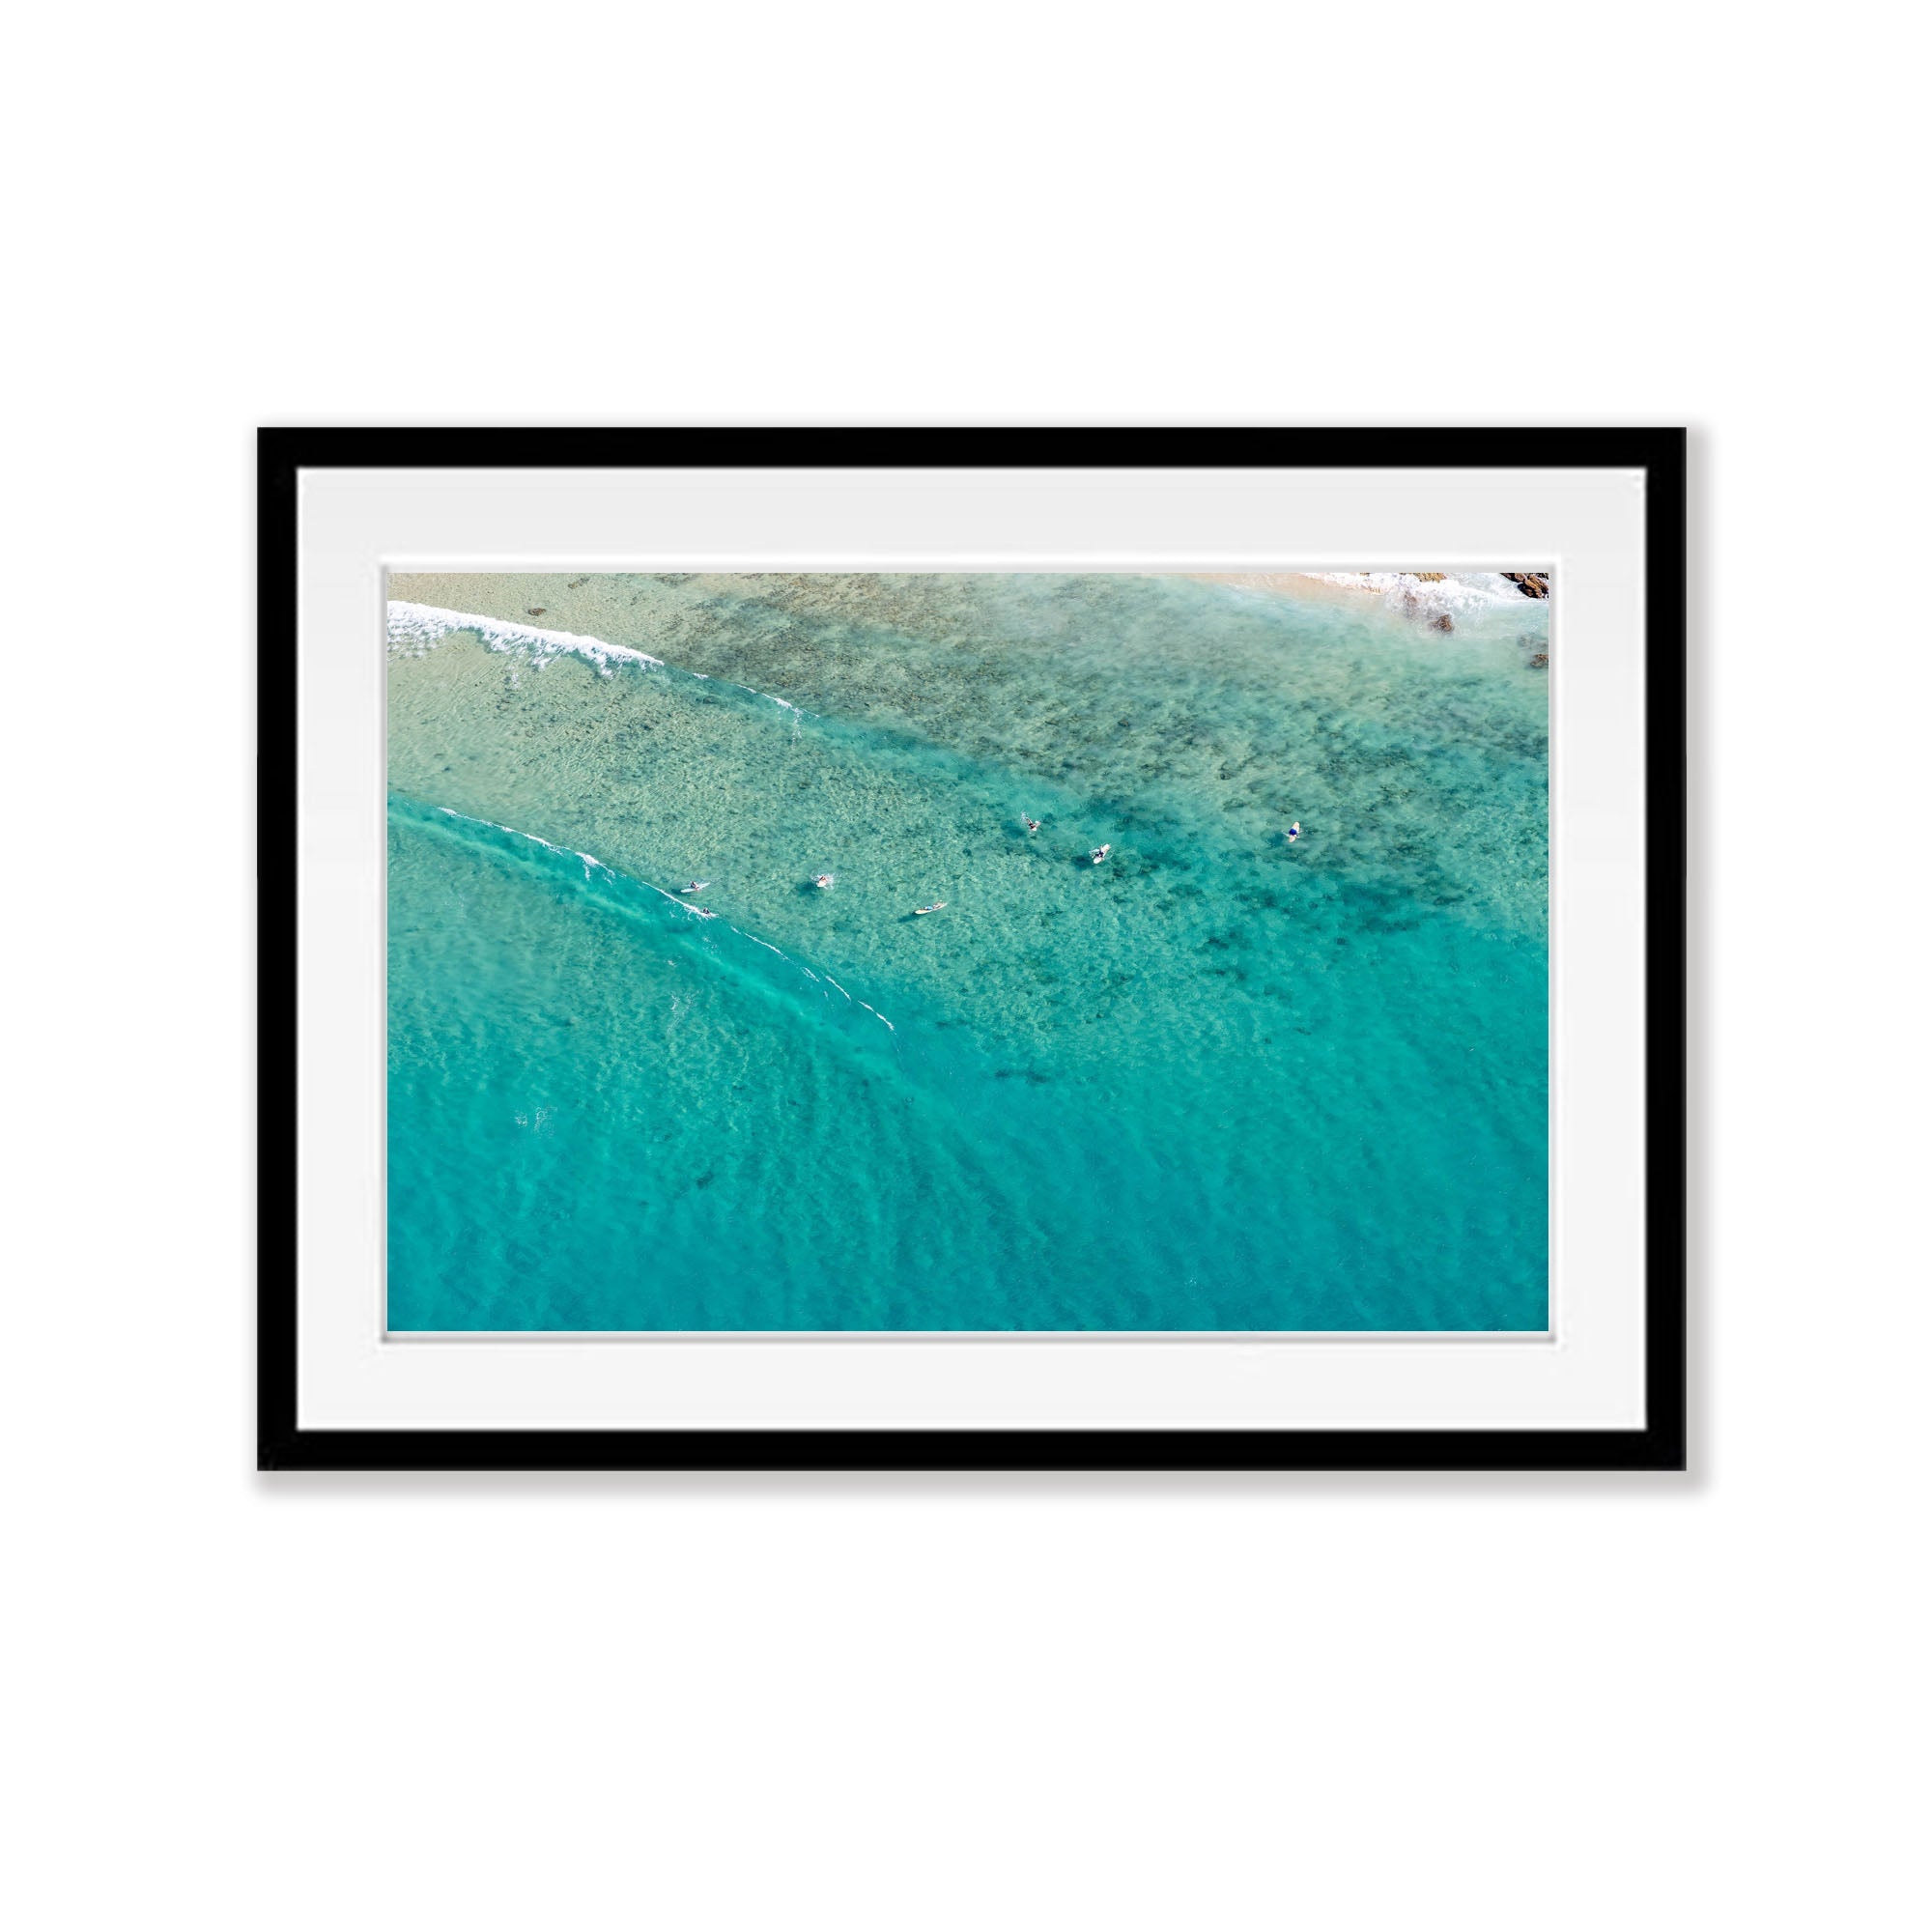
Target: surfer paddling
1098,854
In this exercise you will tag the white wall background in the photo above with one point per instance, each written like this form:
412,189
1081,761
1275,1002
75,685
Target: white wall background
1335,1703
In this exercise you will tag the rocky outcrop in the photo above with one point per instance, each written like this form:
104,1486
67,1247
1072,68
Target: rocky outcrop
1530,583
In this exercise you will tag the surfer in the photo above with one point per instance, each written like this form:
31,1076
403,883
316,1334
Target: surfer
823,882
1098,852
938,906
696,886
1031,824
704,912
1295,832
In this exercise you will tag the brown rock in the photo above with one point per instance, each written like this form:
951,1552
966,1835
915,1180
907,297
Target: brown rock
1530,583
1445,623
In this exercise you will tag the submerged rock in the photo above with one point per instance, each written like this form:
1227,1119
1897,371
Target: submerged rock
1445,623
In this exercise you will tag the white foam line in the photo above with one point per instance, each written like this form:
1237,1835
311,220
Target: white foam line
425,626
688,907
1475,592
513,833
683,905
784,704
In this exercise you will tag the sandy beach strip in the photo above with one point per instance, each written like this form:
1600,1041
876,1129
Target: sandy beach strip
1283,583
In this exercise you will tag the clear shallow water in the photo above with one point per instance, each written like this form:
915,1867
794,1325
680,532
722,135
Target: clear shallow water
1219,1081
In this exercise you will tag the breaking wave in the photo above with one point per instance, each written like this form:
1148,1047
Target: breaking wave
416,628
1422,594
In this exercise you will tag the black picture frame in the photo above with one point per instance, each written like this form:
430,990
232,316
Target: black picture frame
1660,1444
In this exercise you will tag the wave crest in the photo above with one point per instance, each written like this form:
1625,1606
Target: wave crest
418,628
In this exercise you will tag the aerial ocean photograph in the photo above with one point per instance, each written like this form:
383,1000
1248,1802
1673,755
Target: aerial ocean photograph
1009,953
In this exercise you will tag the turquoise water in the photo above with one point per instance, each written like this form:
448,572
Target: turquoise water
1220,1082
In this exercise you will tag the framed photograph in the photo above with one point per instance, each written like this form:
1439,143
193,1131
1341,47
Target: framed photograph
972,949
